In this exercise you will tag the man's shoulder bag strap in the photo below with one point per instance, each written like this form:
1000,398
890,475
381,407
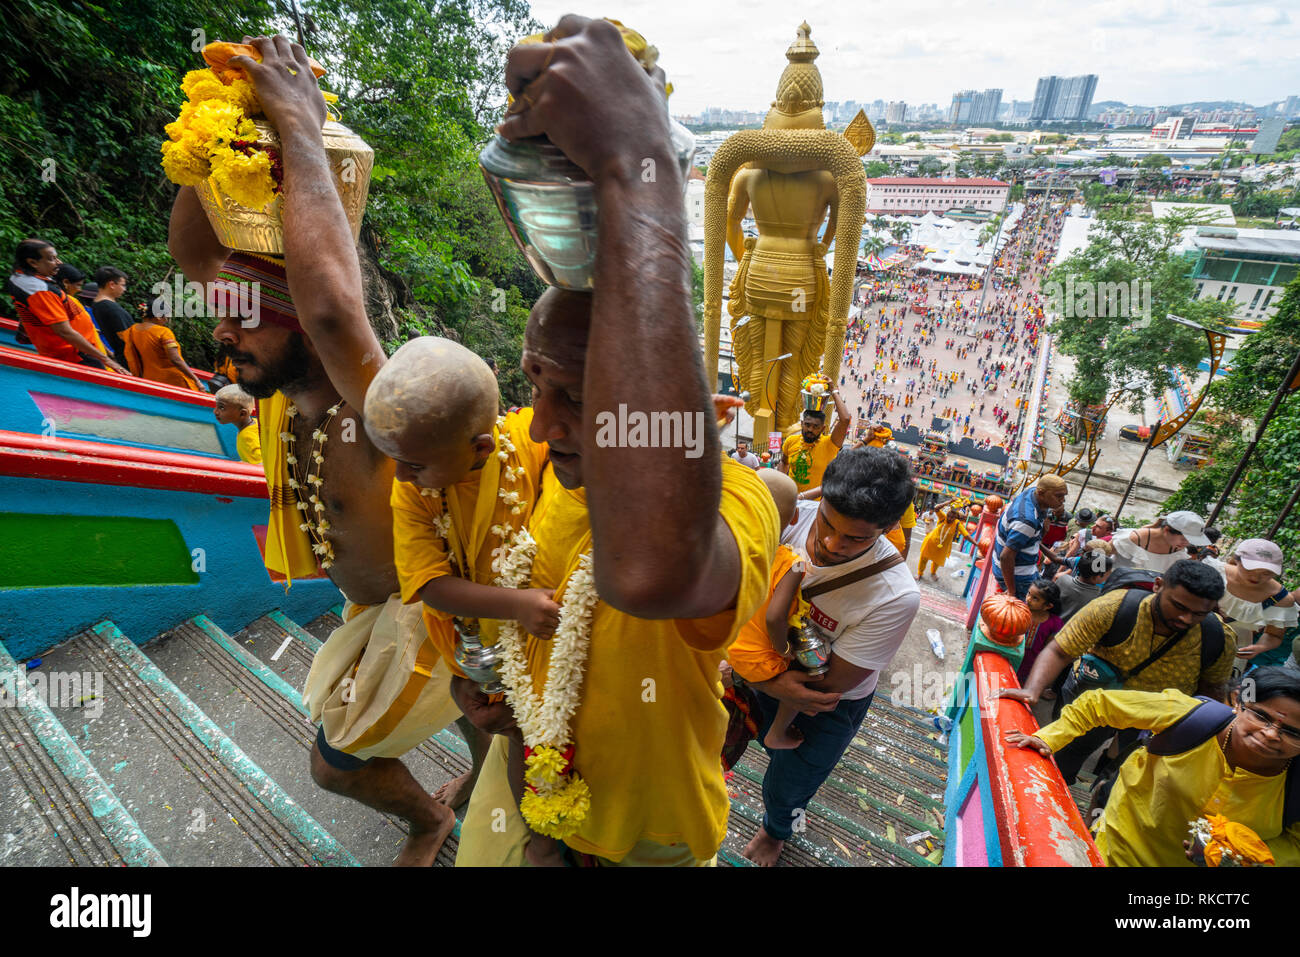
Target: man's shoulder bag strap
821,588
1122,626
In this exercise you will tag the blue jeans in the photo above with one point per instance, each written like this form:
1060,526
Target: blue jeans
794,776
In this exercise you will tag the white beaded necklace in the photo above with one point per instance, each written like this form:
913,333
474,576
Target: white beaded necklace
314,524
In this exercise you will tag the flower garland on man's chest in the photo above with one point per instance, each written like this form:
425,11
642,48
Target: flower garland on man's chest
557,799
314,523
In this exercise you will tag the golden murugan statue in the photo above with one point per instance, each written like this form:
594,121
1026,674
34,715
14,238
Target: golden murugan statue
796,175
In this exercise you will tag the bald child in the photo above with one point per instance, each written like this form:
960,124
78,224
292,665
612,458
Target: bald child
761,650
466,481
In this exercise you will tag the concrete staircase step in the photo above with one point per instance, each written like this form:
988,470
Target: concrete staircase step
56,809
199,797
257,706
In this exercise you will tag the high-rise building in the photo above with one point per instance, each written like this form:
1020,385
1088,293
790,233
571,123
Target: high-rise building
985,107
1291,108
1063,98
896,112
959,112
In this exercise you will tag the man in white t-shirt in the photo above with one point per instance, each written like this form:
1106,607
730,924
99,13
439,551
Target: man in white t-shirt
864,492
744,456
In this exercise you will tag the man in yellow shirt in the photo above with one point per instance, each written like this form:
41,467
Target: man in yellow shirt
1162,650
680,544
1239,772
806,453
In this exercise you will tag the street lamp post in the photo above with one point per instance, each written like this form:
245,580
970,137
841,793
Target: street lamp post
1167,430
1151,443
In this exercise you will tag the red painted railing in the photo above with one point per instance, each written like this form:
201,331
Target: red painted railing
34,362
985,565
1039,824
72,460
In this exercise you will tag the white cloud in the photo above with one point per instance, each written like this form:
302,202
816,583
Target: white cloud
1156,52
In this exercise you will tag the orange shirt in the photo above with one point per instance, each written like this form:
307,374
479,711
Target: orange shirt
147,353
751,654
46,305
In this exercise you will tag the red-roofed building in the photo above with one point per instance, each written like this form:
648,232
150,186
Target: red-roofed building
918,195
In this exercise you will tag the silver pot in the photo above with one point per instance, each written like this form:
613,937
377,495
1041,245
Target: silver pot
810,649
478,661
549,203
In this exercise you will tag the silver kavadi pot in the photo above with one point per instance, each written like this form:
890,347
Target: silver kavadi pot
549,203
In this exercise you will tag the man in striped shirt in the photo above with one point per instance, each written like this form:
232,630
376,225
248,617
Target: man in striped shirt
1020,529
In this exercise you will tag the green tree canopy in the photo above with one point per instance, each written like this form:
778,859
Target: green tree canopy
1122,347
88,88
1245,394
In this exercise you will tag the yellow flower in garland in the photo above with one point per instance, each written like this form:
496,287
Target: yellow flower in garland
244,177
545,766
214,137
557,812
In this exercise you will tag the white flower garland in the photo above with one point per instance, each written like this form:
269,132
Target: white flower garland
544,720
557,798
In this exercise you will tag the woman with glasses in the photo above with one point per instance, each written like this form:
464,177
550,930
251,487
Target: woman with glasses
1240,766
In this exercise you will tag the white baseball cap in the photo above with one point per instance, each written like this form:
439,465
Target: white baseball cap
1259,553
1190,525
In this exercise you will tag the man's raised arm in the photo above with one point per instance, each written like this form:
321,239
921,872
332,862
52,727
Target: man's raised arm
320,255
661,549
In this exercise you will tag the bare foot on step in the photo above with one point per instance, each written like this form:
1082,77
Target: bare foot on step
763,850
455,793
424,842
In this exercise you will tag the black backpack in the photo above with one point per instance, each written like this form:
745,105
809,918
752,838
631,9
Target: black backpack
1138,578
1126,617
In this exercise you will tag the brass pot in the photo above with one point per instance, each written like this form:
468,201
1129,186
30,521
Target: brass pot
262,230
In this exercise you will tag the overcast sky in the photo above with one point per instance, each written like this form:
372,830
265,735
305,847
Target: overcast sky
1149,52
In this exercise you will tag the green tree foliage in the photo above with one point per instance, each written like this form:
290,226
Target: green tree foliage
876,168
1155,161
1246,393
1113,350
87,89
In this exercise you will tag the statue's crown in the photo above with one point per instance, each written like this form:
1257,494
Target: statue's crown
800,87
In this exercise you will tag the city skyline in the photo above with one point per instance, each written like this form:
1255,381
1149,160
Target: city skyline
1163,53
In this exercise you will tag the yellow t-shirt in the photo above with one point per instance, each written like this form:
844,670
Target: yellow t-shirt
895,535
249,444
1179,667
807,463
648,735
1156,797
420,552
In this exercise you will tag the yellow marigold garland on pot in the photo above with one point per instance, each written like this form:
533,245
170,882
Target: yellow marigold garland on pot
215,136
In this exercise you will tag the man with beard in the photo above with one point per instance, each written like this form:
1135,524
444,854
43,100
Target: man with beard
679,546
309,356
862,601
804,456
